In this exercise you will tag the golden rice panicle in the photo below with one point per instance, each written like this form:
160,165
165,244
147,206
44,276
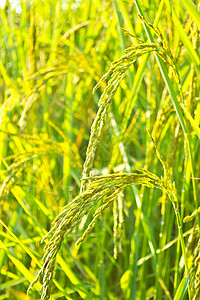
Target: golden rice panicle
106,188
115,75
167,54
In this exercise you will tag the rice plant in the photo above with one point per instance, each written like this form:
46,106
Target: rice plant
99,150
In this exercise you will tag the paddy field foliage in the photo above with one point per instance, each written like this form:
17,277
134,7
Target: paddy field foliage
99,149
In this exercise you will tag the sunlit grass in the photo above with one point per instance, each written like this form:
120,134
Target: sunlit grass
99,134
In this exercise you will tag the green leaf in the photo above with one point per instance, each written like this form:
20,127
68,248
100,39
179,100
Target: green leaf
192,121
193,11
182,288
183,36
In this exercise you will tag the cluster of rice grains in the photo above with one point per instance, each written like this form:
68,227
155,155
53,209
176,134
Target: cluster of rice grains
116,73
106,189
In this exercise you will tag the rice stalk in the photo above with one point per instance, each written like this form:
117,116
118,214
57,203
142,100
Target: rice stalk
118,223
169,187
116,74
105,188
46,87
167,53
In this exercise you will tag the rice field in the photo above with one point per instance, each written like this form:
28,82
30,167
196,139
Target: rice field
99,149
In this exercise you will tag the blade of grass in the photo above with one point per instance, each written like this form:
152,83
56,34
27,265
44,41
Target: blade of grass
20,266
188,45
73,278
192,121
18,241
182,288
193,11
